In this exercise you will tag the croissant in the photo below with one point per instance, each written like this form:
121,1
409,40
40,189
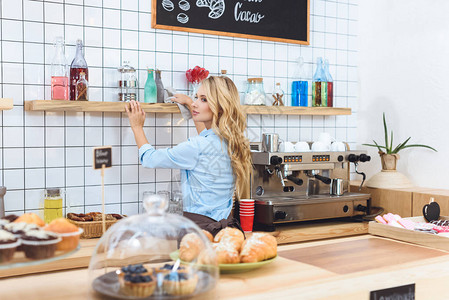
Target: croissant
191,245
226,253
232,236
208,235
260,246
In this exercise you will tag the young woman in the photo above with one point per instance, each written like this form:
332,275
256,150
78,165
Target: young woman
213,164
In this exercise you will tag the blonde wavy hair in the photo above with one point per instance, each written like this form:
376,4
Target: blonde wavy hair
229,123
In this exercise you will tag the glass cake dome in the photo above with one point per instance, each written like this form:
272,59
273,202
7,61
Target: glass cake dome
138,258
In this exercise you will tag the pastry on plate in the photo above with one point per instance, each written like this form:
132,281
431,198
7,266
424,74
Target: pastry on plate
138,285
226,253
180,283
259,247
232,236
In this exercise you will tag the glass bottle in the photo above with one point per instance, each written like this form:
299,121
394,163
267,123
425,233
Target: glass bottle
330,84
278,94
82,88
150,91
300,85
159,86
59,73
52,204
78,65
319,86
127,83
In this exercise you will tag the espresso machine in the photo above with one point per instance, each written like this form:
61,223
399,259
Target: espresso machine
300,186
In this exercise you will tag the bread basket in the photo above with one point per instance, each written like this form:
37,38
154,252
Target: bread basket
92,229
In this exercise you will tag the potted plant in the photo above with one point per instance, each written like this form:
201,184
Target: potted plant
388,154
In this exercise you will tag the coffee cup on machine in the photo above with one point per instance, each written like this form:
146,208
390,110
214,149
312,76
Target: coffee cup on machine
302,147
287,147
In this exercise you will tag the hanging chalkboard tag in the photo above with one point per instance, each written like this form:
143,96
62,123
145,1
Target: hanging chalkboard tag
102,156
431,211
397,292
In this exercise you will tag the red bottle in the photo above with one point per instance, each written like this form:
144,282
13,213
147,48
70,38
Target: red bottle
78,65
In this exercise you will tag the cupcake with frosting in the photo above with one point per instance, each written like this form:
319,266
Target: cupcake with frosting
39,244
8,245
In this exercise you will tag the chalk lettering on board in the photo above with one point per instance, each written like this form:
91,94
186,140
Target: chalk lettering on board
246,15
184,5
182,18
217,8
203,3
167,5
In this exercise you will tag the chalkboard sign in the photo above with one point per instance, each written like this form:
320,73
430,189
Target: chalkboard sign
102,156
398,292
274,20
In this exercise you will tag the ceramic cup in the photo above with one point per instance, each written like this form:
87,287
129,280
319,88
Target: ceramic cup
288,147
302,147
320,146
338,146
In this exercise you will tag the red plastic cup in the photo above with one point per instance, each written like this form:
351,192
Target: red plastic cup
247,222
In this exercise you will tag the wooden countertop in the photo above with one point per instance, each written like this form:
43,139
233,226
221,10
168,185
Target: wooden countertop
285,234
344,268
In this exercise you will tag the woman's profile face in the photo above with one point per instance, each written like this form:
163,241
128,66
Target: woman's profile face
200,108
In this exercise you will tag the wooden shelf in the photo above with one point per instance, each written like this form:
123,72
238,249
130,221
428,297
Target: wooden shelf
97,106
295,110
6,104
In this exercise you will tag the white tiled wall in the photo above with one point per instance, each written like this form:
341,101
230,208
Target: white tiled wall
48,149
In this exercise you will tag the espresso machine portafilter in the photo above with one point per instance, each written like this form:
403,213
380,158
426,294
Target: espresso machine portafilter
301,186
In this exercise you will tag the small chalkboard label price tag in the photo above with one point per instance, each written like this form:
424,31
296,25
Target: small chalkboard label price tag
405,292
102,156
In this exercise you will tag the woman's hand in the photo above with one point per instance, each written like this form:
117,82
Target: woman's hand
136,114
182,99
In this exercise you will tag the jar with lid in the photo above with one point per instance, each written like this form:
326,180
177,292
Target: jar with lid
53,204
255,93
127,83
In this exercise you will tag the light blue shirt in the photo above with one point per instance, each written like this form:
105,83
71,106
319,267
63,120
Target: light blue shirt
207,179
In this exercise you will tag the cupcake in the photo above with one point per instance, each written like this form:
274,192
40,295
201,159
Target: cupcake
39,244
18,229
8,245
3,222
138,285
30,218
180,283
10,218
69,233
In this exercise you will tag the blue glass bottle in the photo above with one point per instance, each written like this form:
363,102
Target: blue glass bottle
299,85
150,91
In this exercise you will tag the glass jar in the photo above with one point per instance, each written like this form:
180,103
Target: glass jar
255,93
53,204
138,258
127,83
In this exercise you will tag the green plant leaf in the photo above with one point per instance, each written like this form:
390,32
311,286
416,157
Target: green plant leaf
400,146
419,145
386,132
391,144
378,147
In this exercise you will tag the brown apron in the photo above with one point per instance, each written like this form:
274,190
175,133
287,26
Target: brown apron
210,224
